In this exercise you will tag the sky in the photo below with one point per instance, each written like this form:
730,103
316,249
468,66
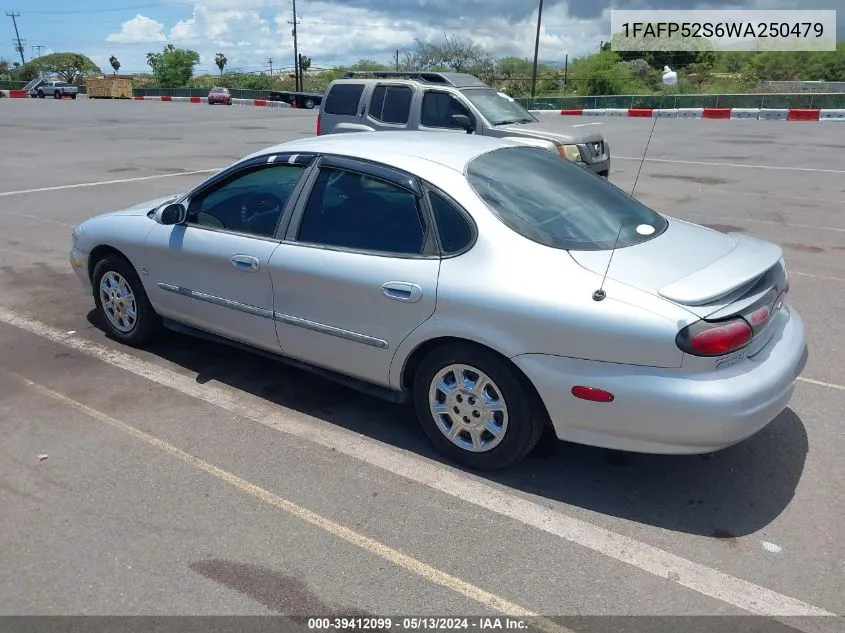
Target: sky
331,32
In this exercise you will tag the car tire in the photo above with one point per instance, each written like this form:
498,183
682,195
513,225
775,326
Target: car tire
117,273
73,95
57,95
40,94
513,407
309,104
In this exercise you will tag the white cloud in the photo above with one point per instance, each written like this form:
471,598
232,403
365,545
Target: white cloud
138,30
332,33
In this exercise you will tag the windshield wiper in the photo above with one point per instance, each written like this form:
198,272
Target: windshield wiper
511,121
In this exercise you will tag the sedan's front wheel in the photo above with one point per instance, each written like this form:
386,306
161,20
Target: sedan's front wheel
475,408
122,302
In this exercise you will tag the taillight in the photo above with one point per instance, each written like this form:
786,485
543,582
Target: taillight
714,339
318,125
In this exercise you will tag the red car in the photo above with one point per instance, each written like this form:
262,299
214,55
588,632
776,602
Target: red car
219,95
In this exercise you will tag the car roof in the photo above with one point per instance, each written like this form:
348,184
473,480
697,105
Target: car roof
398,148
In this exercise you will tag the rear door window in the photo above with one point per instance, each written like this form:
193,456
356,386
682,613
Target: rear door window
343,99
391,104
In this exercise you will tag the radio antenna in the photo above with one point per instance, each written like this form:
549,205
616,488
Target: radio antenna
670,78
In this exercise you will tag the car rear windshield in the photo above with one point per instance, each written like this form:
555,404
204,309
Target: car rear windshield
552,201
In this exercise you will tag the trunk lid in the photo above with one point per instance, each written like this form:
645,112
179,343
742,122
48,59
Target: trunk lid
701,269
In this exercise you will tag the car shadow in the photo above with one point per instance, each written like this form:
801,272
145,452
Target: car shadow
724,495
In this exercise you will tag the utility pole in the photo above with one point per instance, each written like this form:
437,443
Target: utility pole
397,60
270,61
39,47
19,45
536,51
565,73
296,72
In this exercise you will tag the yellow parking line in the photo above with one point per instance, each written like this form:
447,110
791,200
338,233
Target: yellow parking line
390,554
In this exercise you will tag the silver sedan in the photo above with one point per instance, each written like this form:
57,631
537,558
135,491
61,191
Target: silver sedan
499,288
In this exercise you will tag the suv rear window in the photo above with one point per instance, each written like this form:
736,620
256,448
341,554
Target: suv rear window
343,99
391,104
555,202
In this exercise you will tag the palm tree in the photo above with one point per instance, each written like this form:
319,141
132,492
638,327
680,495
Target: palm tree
115,63
220,60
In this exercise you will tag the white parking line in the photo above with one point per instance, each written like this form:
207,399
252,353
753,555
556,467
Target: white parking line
35,217
819,383
794,272
670,567
732,165
773,222
108,182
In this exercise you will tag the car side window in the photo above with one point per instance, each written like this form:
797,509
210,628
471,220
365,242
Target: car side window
343,99
438,108
350,210
250,202
391,104
453,227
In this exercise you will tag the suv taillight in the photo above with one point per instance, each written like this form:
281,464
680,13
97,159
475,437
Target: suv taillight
714,339
318,124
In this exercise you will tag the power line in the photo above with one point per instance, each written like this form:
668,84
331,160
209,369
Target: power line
19,46
111,9
38,47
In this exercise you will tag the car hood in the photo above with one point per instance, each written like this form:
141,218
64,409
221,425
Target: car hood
701,269
142,208
539,129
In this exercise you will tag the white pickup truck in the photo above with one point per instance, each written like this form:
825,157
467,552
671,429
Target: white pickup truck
55,89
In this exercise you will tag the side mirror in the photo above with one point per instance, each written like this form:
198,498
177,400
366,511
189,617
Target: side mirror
462,121
171,214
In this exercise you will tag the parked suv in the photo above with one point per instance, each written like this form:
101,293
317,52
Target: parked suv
448,102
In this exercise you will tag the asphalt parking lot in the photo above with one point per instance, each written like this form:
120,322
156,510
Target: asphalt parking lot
192,479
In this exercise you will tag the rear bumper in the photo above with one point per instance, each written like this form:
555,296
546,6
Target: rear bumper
672,411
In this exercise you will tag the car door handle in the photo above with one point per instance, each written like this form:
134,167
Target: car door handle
402,291
246,263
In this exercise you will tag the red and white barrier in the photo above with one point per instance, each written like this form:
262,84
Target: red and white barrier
761,114
240,102
14,94
745,113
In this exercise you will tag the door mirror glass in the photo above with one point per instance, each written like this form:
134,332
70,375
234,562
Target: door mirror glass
170,214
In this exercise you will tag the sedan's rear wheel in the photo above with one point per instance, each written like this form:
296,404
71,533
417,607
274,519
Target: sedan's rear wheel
475,408
122,301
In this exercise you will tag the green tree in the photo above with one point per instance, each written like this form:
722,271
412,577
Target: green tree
115,63
304,63
173,67
221,61
603,74
5,68
68,66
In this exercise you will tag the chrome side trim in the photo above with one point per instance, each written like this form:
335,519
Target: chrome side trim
219,301
331,331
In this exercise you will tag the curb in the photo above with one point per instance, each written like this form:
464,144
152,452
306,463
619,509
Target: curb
757,114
